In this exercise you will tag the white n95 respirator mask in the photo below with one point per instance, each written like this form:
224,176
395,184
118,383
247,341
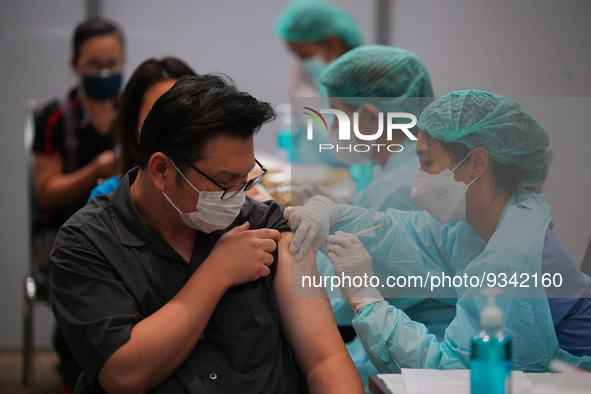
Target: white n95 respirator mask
211,213
441,195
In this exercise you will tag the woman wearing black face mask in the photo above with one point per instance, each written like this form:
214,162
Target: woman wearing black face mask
73,145
74,134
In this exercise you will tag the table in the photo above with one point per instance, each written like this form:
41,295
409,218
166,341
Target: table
539,381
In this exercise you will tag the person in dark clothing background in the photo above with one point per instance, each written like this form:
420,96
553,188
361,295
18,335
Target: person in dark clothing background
73,147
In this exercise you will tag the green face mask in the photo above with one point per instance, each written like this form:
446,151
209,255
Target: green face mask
314,66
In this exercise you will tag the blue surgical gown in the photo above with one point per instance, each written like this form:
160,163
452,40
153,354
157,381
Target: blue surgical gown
570,304
390,189
414,243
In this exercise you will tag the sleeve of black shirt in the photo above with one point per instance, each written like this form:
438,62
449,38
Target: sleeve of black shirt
92,306
268,214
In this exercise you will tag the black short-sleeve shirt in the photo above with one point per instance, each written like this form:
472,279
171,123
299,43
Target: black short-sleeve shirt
110,270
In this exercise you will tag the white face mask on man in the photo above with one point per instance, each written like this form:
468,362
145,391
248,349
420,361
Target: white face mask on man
211,213
441,195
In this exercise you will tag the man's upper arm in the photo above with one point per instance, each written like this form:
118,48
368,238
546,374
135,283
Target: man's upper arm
307,323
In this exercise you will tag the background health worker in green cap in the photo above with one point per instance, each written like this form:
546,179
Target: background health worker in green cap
370,80
317,33
373,80
477,152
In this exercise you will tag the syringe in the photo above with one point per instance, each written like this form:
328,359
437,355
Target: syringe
367,230
358,234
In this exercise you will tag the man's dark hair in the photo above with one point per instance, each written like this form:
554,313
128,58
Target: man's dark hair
93,28
193,111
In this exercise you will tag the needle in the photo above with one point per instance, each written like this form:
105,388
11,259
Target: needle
358,234
367,231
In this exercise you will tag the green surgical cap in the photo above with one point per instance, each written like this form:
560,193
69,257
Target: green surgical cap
498,124
314,20
377,71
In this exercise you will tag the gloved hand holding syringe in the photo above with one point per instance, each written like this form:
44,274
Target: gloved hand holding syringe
350,259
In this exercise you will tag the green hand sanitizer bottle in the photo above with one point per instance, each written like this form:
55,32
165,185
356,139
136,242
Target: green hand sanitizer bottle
491,361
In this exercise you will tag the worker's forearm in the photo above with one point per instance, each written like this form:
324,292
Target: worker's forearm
160,343
66,189
335,374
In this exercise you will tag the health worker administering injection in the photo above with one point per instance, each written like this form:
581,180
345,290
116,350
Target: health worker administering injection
479,153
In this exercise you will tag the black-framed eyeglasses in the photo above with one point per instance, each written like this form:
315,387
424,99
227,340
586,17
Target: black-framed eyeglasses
231,191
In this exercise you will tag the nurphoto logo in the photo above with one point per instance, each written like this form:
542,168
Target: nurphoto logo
344,133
